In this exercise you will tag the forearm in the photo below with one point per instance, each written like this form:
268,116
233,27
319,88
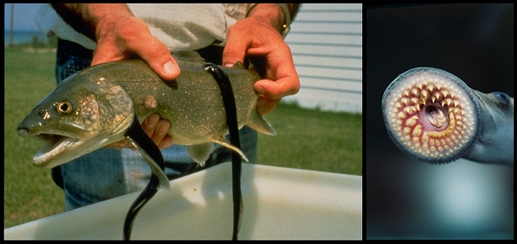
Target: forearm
273,14
86,18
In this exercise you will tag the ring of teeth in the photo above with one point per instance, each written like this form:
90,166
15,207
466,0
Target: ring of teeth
431,117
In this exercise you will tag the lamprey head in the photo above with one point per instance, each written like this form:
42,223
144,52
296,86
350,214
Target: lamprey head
431,115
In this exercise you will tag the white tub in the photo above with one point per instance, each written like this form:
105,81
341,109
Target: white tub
279,203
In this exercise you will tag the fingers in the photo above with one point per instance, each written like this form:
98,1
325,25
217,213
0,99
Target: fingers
233,54
150,123
237,42
154,127
157,129
161,132
250,37
278,89
166,142
131,37
281,78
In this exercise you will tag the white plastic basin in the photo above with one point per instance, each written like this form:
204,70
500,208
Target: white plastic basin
279,203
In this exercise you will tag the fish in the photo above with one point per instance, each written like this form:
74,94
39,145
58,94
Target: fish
96,106
105,103
435,117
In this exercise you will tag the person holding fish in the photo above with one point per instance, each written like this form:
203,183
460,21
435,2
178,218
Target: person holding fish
91,34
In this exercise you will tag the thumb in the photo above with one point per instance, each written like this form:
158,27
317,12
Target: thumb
159,58
167,70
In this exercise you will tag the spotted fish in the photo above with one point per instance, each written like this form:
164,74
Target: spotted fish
96,106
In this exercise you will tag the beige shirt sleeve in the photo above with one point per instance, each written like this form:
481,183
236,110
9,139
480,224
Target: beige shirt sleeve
179,26
51,24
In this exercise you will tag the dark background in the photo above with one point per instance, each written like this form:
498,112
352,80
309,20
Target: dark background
408,199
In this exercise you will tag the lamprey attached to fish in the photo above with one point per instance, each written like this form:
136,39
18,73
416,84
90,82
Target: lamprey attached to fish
96,106
150,151
433,116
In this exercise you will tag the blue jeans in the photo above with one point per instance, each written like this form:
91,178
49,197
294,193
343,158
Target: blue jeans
107,173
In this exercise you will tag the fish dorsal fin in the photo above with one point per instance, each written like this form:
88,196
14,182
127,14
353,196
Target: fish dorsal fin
200,152
223,142
258,123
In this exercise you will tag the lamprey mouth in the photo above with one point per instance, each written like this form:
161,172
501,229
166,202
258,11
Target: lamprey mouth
430,115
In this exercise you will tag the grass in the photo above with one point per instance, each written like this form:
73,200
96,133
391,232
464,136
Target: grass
314,140
307,139
29,192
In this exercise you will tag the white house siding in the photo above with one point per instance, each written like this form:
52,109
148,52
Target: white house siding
326,42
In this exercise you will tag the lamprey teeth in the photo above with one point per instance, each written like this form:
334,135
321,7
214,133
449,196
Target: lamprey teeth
436,116
429,114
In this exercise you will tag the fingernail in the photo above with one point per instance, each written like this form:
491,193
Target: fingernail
168,68
228,65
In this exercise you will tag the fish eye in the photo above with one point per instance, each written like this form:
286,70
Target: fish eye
64,107
503,100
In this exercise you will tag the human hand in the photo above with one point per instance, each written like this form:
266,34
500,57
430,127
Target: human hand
120,35
156,128
125,36
256,36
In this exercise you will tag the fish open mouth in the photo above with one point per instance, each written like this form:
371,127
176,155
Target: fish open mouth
60,146
55,144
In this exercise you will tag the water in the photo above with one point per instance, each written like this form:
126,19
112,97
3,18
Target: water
24,36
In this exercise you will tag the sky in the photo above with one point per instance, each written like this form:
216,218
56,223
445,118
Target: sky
23,16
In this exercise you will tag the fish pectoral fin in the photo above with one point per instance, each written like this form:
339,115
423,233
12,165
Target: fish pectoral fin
258,123
223,142
164,181
155,168
200,152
